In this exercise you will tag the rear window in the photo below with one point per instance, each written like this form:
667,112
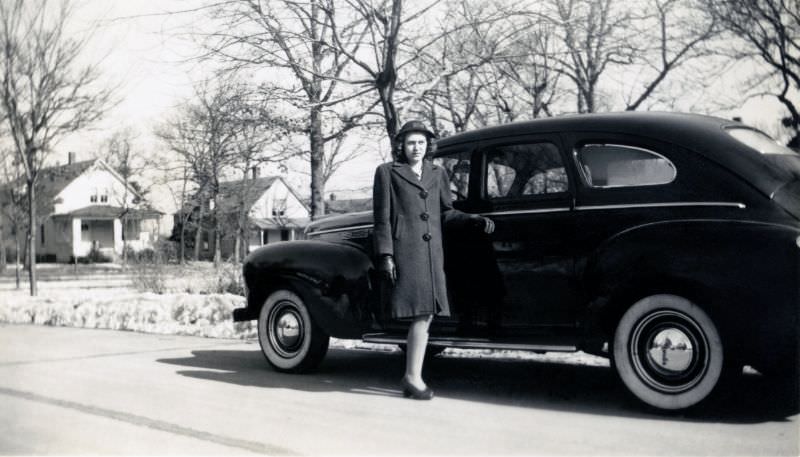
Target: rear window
759,141
614,165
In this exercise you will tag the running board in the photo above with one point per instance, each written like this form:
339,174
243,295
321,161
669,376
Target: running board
470,343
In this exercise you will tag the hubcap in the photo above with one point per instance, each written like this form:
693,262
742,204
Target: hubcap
669,351
286,329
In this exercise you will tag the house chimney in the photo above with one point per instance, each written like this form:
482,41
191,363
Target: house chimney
256,171
70,157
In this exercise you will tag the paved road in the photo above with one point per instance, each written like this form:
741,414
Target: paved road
76,391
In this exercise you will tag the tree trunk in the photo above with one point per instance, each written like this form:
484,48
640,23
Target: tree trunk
217,250
183,240
317,163
198,236
3,257
124,242
17,263
32,238
237,247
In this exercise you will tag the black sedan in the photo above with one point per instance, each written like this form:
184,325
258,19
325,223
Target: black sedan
669,243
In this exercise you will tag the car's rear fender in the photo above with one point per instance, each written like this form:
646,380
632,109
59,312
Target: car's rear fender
743,273
332,278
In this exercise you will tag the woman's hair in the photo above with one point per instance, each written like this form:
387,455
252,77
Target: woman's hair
397,148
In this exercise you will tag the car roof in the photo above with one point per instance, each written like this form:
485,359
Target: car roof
702,134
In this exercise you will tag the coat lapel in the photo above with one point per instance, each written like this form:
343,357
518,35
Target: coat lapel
428,177
404,171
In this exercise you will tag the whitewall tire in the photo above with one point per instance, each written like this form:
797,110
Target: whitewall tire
668,352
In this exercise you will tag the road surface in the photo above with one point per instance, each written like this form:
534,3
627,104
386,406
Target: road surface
78,391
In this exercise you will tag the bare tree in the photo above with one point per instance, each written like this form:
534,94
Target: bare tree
770,30
257,131
13,204
595,35
129,163
46,90
201,135
672,33
294,39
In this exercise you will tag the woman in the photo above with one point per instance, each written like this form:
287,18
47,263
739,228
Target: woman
411,201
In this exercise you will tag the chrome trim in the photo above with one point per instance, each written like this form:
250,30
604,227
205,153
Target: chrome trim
342,229
473,344
526,211
662,205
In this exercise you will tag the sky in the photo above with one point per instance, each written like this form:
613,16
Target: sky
148,55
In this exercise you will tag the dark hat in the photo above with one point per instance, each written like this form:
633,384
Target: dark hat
414,126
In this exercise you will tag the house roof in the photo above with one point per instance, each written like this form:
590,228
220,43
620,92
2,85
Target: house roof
247,191
107,211
53,180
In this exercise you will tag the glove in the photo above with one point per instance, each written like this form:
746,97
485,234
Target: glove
484,223
387,268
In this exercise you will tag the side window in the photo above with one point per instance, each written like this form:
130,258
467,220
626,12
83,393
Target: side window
612,165
457,167
524,170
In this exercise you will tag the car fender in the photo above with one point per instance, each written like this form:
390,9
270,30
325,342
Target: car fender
333,278
743,273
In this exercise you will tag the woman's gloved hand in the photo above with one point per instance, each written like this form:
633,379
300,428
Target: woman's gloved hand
387,268
484,223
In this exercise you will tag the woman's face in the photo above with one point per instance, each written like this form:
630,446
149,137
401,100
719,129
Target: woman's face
415,145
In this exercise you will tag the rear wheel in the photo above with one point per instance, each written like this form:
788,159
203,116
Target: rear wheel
290,339
668,352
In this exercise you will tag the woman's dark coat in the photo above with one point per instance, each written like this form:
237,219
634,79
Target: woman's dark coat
408,215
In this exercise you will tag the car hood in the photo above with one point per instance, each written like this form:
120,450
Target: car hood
340,222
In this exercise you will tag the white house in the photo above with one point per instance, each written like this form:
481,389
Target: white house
274,212
86,205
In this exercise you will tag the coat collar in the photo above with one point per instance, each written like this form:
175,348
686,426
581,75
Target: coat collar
404,170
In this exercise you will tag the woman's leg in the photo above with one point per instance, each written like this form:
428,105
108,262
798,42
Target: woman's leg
416,343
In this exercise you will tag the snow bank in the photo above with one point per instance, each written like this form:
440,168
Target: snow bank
174,314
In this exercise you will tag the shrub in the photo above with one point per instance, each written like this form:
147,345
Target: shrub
95,256
229,279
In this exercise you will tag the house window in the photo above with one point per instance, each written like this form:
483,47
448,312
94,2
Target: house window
41,230
93,197
104,198
284,235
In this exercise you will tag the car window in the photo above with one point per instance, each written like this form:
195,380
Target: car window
528,169
457,167
613,165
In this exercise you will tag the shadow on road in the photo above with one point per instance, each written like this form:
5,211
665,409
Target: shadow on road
558,386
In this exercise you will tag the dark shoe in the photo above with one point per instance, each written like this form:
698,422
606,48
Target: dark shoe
410,391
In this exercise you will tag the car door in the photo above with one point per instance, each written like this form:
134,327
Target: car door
625,181
526,188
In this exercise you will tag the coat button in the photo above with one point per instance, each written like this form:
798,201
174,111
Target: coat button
423,194
426,237
424,216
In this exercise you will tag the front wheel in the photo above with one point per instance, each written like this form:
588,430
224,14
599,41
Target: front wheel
290,339
668,352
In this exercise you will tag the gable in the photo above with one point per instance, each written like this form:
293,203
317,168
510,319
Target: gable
96,185
278,200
